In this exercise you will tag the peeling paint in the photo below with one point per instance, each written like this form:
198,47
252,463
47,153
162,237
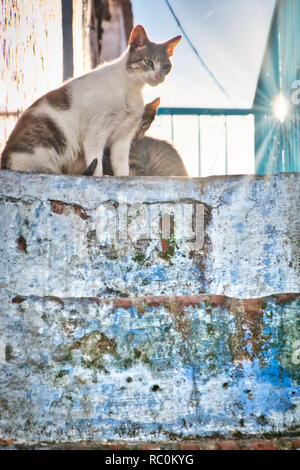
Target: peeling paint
60,208
114,341
247,251
186,367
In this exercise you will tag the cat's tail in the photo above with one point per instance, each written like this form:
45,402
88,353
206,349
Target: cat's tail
91,168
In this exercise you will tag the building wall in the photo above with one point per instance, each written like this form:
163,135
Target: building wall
250,220
31,56
148,337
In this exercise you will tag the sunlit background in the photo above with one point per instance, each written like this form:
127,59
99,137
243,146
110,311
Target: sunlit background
230,36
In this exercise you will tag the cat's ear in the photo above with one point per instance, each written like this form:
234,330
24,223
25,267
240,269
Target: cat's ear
148,116
171,44
154,105
138,37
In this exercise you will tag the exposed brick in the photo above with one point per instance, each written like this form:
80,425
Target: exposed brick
284,298
154,301
8,442
18,300
228,445
189,446
57,207
165,245
150,446
122,303
22,245
187,300
80,212
218,300
115,446
201,444
263,445
253,305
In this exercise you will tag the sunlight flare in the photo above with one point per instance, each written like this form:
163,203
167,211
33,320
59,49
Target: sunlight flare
281,107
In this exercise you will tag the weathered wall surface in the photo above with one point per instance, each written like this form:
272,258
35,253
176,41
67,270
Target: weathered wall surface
142,339
250,249
31,56
89,369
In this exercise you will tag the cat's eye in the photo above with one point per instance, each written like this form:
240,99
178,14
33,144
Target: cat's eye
166,68
145,124
149,63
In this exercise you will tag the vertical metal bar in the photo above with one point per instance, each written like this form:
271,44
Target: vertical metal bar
226,147
199,146
67,28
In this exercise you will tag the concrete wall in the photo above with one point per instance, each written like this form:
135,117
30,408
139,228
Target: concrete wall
175,335
250,247
31,56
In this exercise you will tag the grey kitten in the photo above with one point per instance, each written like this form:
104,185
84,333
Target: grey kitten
154,157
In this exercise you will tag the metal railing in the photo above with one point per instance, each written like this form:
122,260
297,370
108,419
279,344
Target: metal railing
222,112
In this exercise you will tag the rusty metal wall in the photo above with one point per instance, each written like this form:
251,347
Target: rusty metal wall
30,55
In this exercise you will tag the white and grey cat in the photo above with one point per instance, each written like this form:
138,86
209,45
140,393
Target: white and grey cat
148,156
66,129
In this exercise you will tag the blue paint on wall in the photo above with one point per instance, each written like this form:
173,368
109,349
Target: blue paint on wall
277,144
